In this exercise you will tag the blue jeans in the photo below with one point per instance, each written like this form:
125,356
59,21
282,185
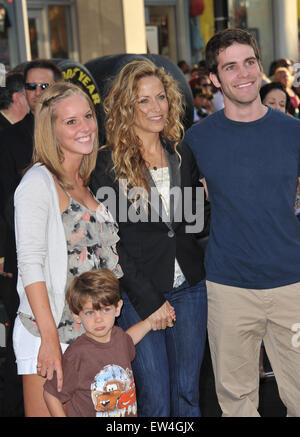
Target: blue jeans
168,362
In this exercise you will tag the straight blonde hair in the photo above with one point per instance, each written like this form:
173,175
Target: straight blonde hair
46,150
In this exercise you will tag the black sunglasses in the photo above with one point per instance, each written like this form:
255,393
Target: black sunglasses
31,86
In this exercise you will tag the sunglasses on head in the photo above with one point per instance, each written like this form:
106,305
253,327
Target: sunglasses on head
31,86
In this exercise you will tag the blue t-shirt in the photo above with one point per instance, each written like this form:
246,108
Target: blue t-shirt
252,171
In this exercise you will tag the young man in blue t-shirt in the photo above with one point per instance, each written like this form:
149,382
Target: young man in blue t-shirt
249,158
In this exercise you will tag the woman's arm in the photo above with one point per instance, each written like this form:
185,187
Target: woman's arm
32,206
49,357
143,294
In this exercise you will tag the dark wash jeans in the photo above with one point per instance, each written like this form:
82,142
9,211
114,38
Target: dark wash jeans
168,362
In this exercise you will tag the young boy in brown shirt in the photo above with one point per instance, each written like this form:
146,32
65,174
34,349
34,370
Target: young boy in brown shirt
98,379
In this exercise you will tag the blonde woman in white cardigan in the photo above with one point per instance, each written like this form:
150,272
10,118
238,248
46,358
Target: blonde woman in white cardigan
60,228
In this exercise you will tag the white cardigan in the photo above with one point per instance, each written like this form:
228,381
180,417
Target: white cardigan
40,239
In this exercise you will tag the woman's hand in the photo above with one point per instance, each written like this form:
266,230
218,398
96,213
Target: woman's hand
50,355
49,360
163,317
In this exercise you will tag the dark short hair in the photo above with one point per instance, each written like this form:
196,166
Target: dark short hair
195,82
181,63
200,92
224,39
14,83
101,285
282,62
47,65
265,89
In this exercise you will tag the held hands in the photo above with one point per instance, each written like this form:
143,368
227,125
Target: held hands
163,317
160,319
49,360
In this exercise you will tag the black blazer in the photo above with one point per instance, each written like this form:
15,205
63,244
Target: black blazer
147,251
16,146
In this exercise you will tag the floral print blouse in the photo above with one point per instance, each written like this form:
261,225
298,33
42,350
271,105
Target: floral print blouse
91,238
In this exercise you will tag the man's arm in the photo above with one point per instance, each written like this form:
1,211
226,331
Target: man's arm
9,178
296,205
54,405
203,181
3,236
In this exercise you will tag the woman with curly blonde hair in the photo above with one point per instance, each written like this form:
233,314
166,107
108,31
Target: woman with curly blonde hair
129,154
161,260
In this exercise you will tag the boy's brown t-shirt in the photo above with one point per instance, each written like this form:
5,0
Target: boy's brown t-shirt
97,377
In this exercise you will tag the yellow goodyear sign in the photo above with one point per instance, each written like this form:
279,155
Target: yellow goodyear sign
76,74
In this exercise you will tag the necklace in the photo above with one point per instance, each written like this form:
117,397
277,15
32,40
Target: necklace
163,189
161,179
153,155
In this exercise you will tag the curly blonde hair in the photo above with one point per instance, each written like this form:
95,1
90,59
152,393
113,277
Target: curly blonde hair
119,107
46,150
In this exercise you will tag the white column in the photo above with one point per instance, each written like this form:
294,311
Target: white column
183,31
23,31
285,29
134,26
